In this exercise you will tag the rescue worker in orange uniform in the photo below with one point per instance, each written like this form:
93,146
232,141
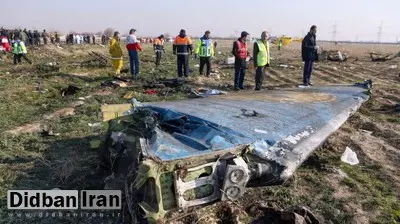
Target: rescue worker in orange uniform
181,47
158,45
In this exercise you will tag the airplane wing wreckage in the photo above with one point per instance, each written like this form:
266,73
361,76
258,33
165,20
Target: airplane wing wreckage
168,156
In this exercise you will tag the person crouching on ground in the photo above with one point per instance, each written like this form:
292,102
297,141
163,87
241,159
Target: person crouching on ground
309,53
133,47
261,58
240,52
116,53
19,50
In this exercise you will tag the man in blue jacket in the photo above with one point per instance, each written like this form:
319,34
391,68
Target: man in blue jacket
309,53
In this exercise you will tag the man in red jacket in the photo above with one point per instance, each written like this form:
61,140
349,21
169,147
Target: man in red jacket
133,47
4,43
240,52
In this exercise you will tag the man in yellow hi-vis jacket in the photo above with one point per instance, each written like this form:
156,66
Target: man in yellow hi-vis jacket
261,58
205,50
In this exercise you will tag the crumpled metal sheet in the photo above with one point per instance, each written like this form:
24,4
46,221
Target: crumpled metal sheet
284,120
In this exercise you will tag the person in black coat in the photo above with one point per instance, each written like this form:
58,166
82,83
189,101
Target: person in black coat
309,53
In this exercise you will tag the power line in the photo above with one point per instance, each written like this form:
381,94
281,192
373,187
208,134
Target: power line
380,32
334,32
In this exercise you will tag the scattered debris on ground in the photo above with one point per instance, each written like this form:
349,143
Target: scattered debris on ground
39,88
150,92
204,92
115,84
70,90
95,59
379,57
48,67
349,157
366,84
50,133
333,55
292,215
95,125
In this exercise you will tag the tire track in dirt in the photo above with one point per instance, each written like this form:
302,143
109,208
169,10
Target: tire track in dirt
384,94
282,77
374,78
267,79
391,94
383,74
336,74
354,75
363,68
271,79
326,78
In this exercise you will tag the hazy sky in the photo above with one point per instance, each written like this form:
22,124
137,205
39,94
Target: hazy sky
222,17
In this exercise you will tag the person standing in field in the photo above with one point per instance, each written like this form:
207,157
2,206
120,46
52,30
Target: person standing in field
45,37
261,58
19,50
158,45
116,53
181,47
133,47
309,53
205,50
240,52
280,43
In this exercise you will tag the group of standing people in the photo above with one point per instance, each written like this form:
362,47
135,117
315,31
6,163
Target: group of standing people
205,51
133,46
182,48
80,39
261,57
16,46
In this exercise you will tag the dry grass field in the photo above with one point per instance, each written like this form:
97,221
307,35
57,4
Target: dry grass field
335,192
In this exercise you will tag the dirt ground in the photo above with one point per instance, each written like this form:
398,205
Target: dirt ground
334,191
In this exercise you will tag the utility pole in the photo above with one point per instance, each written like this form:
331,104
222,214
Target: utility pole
380,28
357,39
334,32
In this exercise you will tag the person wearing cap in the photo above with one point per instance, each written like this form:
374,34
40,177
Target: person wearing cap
158,45
116,53
181,47
205,49
309,53
240,52
133,46
261,58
